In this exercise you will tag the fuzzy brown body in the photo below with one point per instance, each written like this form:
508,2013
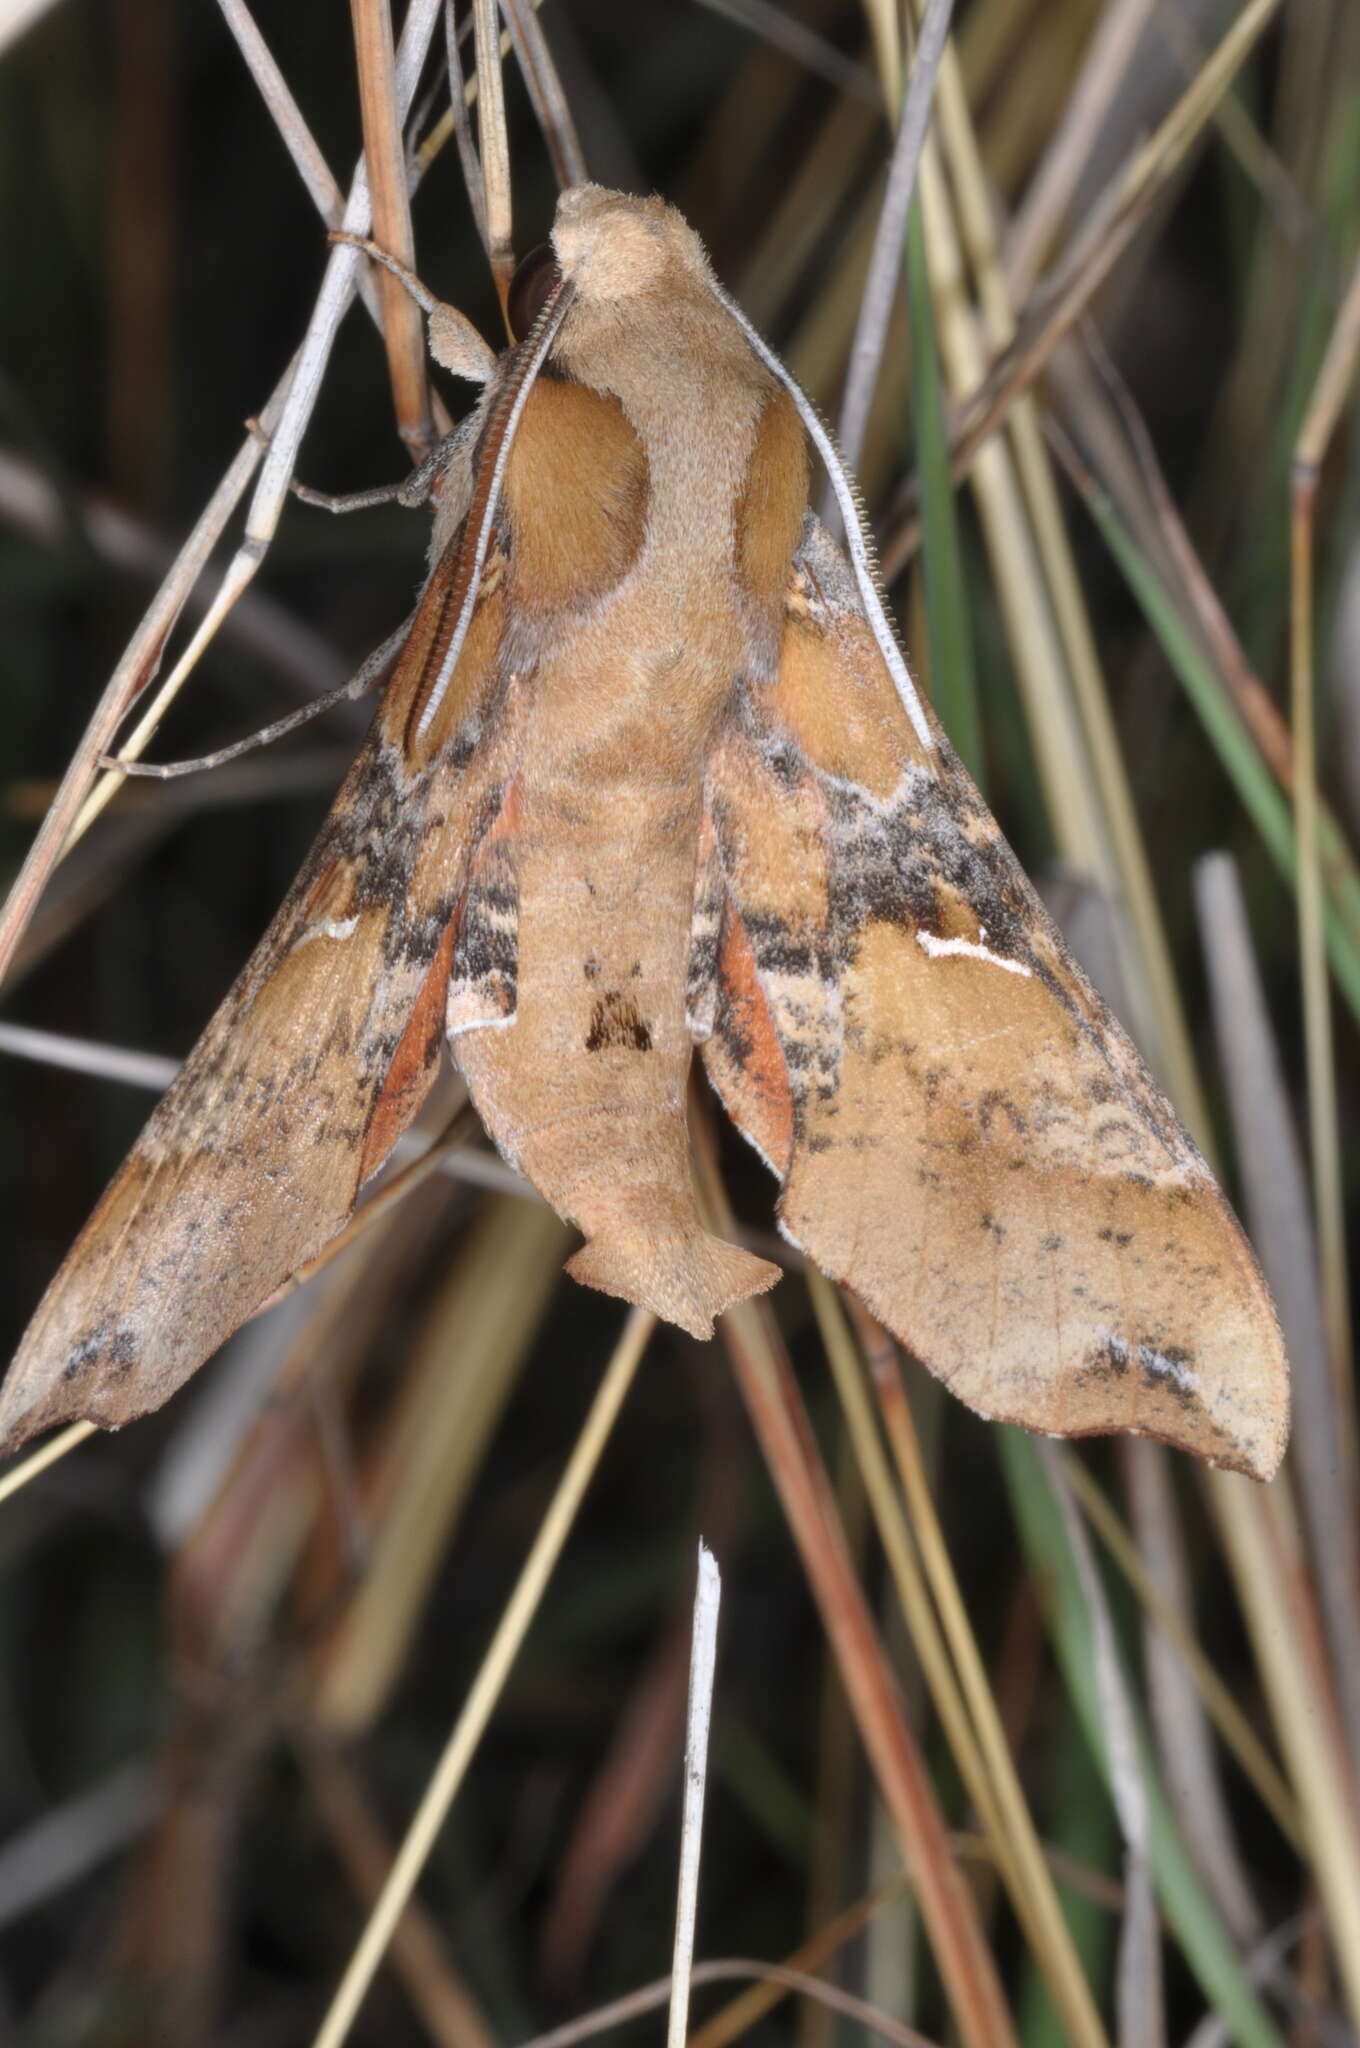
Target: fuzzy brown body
650,774
624,684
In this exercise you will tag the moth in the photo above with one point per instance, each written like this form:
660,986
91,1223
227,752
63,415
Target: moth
649,774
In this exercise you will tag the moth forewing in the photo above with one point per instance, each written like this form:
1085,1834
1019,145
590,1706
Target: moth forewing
651,773
326,1045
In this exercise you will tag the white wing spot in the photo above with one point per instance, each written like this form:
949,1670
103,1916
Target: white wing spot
971,949
329,928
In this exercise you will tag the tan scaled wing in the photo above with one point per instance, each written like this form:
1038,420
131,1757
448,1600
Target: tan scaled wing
967,1137
314,1063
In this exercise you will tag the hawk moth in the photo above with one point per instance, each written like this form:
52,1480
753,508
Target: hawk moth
649,775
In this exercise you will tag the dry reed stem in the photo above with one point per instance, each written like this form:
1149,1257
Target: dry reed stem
283,425
1035,1899
1289,1656
490,1680
1100,834
1002,379
296,136
462,1365
32,503
385,154
1334,379
781,1425
1277,1209
698,1721
420,1959
47,1454
1053,187
977,1744
129,679
890,236
493,142
460,99
1254,702
1189,1761
927,1641
1139,2009
1234,1728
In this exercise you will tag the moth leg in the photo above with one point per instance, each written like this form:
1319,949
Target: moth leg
360,501
411,492
365,678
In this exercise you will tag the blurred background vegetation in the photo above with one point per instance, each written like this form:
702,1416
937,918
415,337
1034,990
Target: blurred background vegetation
232,1640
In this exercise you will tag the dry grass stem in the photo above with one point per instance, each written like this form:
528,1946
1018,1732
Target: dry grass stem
880,286
489,1682
1034,1898
924,1669
1277,1209
1139,2008
494,147
780,1421
551,109
447,2008
385,156
698,1720
1334,379
297,137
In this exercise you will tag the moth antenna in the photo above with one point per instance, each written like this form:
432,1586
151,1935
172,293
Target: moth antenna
506,414
858,534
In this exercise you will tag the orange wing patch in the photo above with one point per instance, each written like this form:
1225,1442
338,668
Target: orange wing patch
744,1058
414,1063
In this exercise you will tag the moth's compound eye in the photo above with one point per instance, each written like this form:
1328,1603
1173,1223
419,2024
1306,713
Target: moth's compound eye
531,287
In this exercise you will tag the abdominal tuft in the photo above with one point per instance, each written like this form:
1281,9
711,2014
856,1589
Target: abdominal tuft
686,1279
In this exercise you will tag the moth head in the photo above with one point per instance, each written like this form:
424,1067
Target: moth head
612,245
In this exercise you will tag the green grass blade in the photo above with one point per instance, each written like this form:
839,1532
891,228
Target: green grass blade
1187,1906
953,679
1264,801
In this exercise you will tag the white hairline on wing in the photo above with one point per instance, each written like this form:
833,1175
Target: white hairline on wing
551,318
856,537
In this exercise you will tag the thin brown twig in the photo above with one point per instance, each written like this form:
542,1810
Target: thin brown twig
781,1424
384,153
419,1956
33,502
494,146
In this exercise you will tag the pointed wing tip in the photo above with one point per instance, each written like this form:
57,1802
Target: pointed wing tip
52,1383
24,1416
